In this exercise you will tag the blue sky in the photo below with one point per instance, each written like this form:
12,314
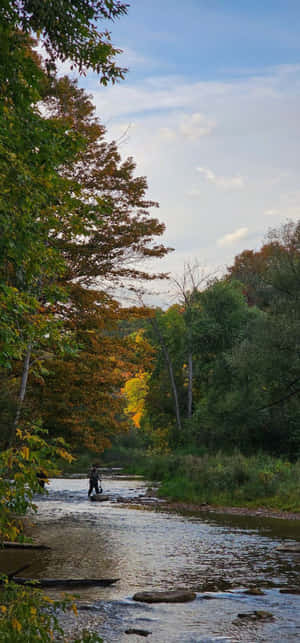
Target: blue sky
210,112
206,39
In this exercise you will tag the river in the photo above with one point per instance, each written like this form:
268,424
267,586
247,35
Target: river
218,556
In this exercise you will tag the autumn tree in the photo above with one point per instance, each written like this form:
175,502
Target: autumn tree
117,231
51,222
34,194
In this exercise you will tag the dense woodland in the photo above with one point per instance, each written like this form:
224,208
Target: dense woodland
224,360
213,375
218,370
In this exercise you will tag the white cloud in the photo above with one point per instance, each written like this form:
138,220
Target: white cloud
248,163
193,192
167,133
188,126
131,59
225,183
232,237
271,213
196,125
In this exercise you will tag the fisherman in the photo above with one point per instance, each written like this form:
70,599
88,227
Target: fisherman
42,478
94,478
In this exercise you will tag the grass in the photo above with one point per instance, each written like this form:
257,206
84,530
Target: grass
229,480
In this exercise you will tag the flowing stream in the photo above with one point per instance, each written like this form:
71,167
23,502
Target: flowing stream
217,556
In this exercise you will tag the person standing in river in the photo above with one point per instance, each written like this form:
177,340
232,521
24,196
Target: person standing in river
94,478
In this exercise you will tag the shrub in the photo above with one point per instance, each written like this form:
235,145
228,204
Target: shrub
28,616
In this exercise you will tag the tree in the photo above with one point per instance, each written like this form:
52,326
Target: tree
187,287
68,30
70,224
35,195
34,200
116,231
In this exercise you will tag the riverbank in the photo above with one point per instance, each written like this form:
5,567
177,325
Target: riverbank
236,483
263,512
154,502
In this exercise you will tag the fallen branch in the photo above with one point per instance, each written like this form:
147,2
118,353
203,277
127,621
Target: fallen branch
65,582
11,575
23,545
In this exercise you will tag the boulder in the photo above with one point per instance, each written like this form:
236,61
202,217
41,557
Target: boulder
171,596
254,591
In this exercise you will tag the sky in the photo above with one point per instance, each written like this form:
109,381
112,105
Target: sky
209,110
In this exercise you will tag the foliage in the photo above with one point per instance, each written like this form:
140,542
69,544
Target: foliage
74,36
80,394
221,479
28,616
81,216
234,349
117,232
20,467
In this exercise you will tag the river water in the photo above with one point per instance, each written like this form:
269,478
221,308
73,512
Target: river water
217,556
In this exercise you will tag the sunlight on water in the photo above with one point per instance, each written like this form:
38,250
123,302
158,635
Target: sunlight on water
216,556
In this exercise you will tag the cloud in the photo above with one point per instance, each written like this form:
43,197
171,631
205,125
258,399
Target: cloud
193,192
248,164
189,126
271,213
232,237
167,133
225,183
132,59
196,125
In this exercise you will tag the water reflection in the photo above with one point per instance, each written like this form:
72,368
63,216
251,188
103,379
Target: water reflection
217,554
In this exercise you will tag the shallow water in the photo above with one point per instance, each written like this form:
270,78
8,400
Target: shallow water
217,556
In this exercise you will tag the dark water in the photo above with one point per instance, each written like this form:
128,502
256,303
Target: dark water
217,556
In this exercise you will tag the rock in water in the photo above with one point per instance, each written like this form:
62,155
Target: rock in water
171,596
293,548
99,497
290,590
138,631
257,615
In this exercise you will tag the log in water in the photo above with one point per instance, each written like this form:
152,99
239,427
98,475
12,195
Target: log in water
9,545
65,582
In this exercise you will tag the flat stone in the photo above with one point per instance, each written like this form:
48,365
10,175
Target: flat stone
254,591
99,497
171,596
257,615
289,547
290,590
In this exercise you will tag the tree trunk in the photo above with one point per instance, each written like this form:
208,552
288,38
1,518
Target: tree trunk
171,373
190,384
22,392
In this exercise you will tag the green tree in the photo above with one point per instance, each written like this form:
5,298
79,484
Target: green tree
74,36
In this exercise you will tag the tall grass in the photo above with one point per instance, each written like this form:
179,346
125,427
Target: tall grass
221,479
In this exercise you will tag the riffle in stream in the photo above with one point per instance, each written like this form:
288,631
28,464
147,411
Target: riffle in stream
218,556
